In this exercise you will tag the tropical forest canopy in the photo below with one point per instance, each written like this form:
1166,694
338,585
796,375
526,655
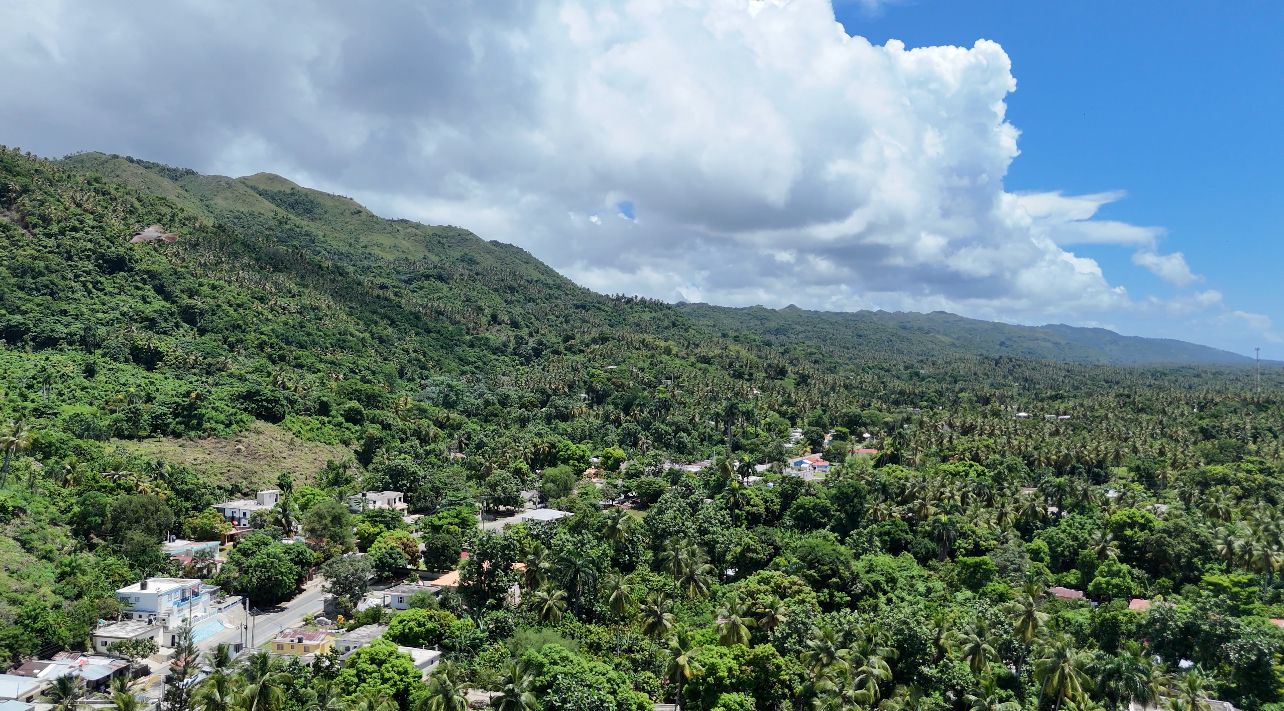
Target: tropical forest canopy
1014,467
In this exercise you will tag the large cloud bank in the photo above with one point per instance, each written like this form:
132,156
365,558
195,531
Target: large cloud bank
732,151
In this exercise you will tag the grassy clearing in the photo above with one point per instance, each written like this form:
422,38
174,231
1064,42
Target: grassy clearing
247,460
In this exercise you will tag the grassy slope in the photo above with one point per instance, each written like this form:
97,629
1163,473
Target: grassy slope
245,461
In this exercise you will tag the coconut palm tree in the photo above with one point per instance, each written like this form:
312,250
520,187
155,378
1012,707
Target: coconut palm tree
323,695
445,691
975,650
867,659
125,701
372,702
1125,677
681,666
539,567
1027,619
618,524
734,623
771,614
219,692
619,595
1060,671
516,694
549,604
657,616
67,692
580,575
264,694
989,699
823,650
15,438
1191,690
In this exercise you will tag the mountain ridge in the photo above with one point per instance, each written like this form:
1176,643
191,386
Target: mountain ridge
268,194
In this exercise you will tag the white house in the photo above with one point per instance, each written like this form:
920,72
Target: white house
238,511
367,500
398,597
124,631
425,659
169,602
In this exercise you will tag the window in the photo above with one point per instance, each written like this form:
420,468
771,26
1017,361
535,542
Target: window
279,646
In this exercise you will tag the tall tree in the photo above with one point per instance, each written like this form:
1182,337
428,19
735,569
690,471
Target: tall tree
178,693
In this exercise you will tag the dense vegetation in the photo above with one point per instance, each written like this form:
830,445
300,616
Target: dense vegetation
460,371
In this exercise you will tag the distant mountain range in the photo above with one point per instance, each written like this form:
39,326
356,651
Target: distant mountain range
449,274
945,331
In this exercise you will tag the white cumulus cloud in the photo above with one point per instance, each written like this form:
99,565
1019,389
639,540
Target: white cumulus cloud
776,158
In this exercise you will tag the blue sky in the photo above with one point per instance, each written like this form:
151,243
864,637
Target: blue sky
1180,104
1111,164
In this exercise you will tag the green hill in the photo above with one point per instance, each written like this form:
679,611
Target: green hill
304,310
917,332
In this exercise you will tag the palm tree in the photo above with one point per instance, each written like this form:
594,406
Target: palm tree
259,665
372,702
772,613
445,691
1027,618
516,694
988,699
822,651
1060,672
618,524
538,568
218,692
619,595
322,695
1191,690
975,650
125,701
580,575
681,665
657,616
264,694
549,605
16,438
1125,677
66,692
867,659
734,623
911,698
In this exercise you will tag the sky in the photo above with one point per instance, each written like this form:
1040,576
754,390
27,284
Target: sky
1091,163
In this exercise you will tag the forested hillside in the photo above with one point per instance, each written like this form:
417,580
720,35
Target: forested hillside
311,344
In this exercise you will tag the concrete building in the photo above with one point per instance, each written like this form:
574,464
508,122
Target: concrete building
300,642
125,631
541,515
94,671
238,511
398,596
349,642
425,659
170,602
368,500
23,689
11,705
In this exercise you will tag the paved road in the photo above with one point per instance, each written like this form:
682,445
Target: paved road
264,625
